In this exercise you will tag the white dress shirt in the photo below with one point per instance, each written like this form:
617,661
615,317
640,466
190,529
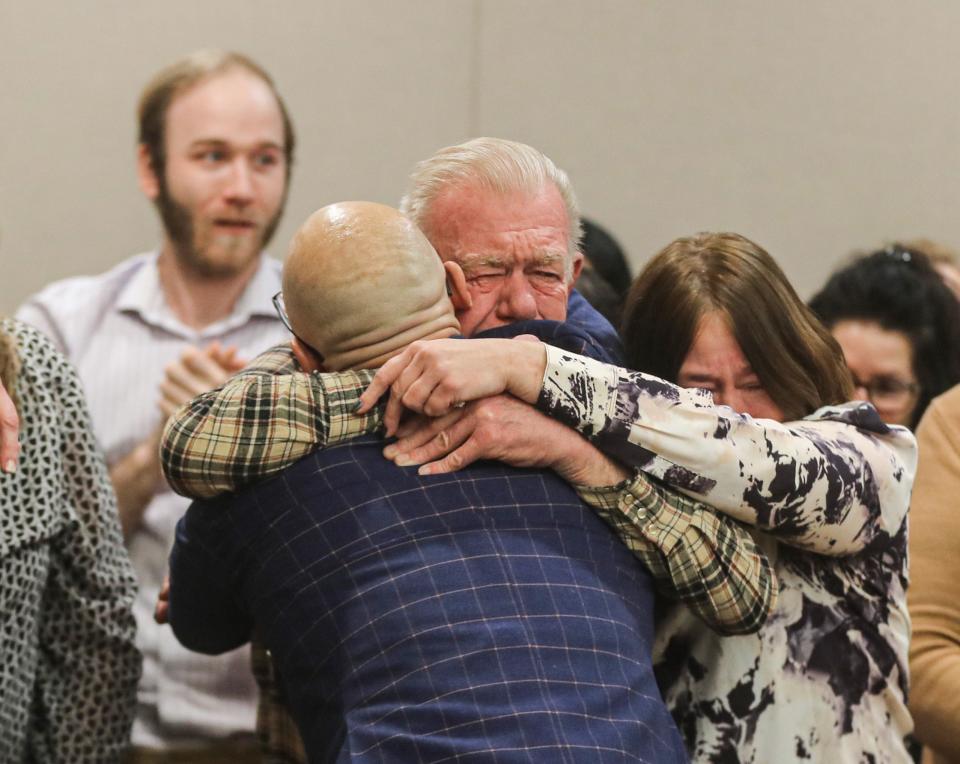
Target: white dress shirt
120,333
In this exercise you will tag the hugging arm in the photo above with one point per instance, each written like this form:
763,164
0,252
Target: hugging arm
823,485
260,421
836,483
695,554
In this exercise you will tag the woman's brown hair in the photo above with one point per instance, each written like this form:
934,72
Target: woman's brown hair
795,358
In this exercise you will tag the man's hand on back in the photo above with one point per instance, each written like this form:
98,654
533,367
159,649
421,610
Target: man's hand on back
504,429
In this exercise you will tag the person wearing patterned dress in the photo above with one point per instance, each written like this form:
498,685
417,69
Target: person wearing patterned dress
69,666
742,409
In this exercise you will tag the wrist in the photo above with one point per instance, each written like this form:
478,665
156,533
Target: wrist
586,466
526,365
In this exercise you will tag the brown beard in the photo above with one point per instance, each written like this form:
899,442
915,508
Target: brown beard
178,225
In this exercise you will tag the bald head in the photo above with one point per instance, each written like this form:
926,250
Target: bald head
361,282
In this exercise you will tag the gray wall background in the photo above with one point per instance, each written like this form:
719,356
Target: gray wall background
816,128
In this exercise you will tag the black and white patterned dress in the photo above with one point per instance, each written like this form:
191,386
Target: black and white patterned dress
68,664
825,679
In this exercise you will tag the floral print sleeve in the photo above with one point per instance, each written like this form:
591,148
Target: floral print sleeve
837,482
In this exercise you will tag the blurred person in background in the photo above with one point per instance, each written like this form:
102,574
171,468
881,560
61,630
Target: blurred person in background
68,662
214,155
935,582
942,258
899,327
605,278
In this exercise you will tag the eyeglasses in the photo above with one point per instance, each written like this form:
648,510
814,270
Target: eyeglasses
282,310
888,392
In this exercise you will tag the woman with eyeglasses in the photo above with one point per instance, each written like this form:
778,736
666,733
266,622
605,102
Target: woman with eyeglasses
899,327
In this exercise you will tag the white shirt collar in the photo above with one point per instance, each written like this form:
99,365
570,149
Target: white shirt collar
143,295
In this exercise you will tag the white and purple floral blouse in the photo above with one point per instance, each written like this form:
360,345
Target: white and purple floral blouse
825,679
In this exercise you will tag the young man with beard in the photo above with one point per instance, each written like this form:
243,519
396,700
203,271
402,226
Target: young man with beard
214,156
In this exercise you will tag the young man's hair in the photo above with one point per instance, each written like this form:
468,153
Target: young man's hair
796,359
173,80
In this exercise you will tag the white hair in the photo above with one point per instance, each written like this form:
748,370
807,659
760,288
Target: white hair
492,163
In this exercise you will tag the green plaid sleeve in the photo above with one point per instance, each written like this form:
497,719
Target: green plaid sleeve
695,554
260,421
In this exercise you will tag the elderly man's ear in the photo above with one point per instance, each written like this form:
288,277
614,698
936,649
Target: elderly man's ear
457,286
308,358
575,270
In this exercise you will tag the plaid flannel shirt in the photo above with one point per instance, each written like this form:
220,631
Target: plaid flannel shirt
695,554
270,415
261,420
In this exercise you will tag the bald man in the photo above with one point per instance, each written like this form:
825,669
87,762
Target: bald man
411,618
362,282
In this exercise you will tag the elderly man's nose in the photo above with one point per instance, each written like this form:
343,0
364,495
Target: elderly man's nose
517,299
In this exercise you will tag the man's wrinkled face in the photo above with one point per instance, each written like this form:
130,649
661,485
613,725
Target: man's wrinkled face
224,183
513,249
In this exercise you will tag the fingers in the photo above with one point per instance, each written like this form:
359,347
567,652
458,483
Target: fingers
226,357
167,406
385,377
420,430
194,373
444,441
467,454
205,369
174,395
161,611
9,433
